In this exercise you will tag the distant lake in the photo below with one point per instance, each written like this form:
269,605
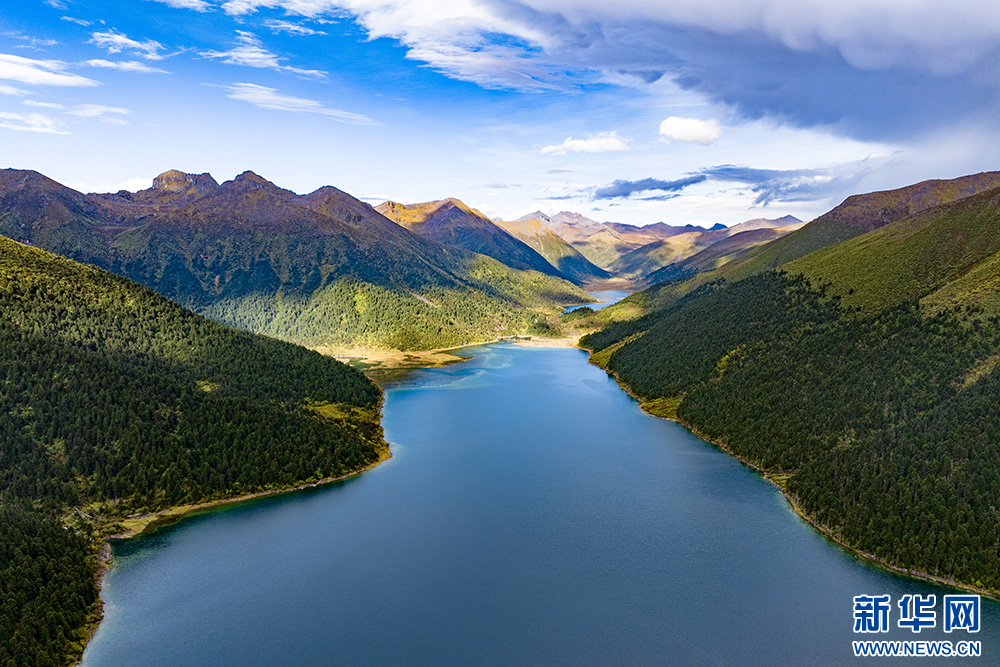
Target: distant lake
531,515
604,298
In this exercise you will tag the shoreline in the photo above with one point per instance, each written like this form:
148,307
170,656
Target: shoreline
827,533
376,360
150,523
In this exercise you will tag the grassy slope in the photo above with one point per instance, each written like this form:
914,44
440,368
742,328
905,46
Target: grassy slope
567,259
914,257
451,222
855,216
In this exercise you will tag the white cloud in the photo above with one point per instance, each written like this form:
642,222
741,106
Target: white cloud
196,5
459,37
75,20
100,112
251,53
35,42
125,66
291,28
269,98
30,122
690,130
43,105
39,72
11,90
116,42
602,142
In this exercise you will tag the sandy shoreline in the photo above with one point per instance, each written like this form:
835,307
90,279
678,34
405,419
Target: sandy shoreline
369,360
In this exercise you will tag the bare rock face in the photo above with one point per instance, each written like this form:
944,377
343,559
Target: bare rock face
179,182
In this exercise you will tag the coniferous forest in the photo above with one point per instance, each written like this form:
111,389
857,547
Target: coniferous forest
882,426
117,401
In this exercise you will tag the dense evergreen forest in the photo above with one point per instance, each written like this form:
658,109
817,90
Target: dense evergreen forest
883,426
116,401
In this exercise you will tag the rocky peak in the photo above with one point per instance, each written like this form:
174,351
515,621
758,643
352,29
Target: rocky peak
177,182
250,180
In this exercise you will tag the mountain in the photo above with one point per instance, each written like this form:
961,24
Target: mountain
862,213
861,378
721,252
117,401
946,256
322,269
451,222
678,246
633,252
534,231
856,215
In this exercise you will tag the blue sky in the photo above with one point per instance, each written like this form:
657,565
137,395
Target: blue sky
687,111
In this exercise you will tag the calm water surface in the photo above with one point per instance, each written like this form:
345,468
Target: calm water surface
604,298
532,515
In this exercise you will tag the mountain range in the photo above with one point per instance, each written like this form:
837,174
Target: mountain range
322,269
327,270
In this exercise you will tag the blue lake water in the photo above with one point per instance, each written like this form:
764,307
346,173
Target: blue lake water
531,515
604,299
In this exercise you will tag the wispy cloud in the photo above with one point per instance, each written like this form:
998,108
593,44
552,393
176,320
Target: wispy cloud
251,53
690,130
30,122
43,105
39,72
125,66
11,90
117,42
73,19
196,5
105,114
36,43
291,28
602,142
269,98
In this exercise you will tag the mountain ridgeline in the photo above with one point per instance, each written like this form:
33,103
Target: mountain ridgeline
117,401
863,377
322,269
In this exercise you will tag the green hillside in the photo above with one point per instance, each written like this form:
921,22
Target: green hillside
915,257
862,378
451,222
533,231
322,269
716,255
117,401
855,216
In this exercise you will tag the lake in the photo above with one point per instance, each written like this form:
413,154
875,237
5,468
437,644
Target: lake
531,515
604,299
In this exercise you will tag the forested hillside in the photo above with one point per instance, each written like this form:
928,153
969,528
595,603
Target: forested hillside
847,376
117,401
